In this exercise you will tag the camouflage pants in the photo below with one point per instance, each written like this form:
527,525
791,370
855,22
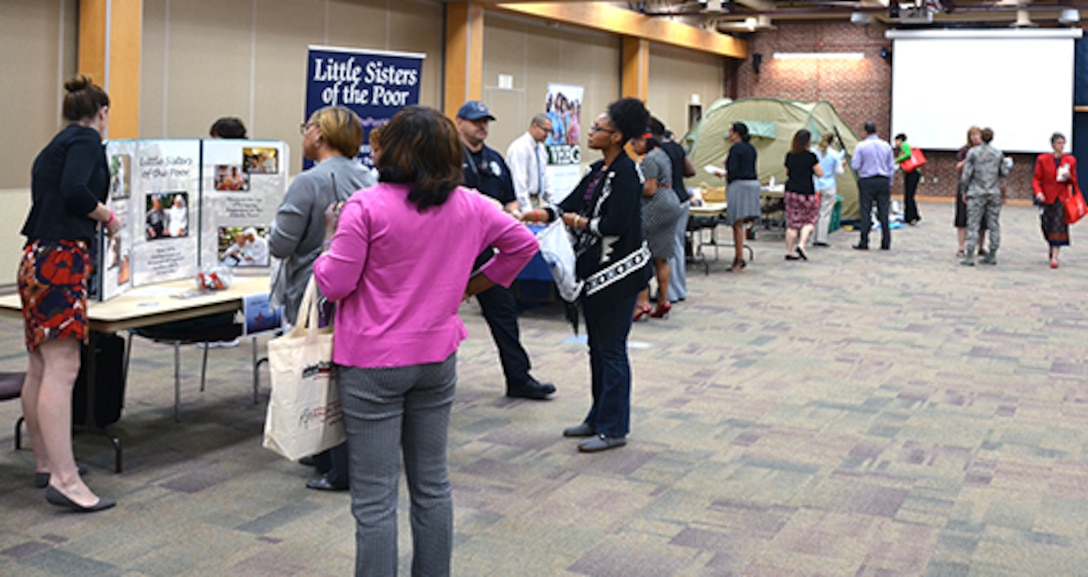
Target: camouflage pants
988,205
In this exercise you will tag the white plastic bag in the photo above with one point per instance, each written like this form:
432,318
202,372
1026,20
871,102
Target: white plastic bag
558,252
304,414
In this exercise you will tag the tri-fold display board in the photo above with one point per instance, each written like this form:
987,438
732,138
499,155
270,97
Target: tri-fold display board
186,205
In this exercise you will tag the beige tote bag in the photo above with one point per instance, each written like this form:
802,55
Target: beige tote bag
304,415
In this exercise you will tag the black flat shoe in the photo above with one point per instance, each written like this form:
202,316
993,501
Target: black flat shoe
792,257
823,244
801,253
41,480
55,497
860,247
322,483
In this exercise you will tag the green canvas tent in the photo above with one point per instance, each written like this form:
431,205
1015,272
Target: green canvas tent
772,124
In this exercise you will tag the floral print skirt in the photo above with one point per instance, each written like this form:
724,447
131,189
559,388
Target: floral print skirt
53,290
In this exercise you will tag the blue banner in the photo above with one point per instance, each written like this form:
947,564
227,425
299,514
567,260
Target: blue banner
374,84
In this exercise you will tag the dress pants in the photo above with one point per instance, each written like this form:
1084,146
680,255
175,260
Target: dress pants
875,189
910,188
828,196
608,322
983,206
678,282
389,412
500,310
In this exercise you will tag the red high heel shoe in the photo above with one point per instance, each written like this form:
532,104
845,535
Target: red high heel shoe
662,310
642,313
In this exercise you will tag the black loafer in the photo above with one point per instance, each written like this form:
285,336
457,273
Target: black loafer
860,247
531,390
601,443
322,483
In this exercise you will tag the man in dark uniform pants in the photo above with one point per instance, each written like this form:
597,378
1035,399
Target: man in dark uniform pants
485,170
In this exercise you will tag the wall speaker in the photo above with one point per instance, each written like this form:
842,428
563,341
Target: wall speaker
757,61
886,54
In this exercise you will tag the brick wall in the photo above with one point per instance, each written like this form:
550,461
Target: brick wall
860,90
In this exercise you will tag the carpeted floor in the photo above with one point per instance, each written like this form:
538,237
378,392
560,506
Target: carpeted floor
862,414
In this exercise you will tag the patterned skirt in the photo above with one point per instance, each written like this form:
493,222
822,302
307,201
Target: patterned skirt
53,290
801,209
1052,217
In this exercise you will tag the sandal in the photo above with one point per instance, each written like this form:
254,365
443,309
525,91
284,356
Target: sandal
960,253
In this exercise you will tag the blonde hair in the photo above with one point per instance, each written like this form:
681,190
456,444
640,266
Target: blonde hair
969,131
340,128
826,141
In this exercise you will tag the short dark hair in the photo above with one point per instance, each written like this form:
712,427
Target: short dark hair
742,131
870,127
228,127
1054,137
801,139
987,135
84,99
657,128
629,116
901,136
421,147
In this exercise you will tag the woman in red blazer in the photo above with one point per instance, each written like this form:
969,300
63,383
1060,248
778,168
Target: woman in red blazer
1055,173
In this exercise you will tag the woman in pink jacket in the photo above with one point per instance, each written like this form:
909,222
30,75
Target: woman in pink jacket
398,265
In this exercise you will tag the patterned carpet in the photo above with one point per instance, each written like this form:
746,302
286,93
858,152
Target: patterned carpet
861,414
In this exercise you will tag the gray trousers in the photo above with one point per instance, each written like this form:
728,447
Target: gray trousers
388,412
827,208
979,205
678,280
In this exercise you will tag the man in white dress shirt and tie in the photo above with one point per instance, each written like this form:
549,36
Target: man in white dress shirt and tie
528,162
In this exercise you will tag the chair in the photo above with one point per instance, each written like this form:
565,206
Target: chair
206,329
11,388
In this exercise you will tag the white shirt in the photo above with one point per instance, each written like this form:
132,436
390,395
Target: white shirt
523,157
256,252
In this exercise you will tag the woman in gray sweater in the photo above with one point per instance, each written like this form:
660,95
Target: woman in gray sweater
331,138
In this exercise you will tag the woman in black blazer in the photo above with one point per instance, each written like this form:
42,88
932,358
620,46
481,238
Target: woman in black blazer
604,212
69,184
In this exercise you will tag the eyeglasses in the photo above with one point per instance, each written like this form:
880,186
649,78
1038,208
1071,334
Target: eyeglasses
595,128
305,125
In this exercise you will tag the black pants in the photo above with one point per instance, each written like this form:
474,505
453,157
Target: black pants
501,313
333,463
910,187
875,189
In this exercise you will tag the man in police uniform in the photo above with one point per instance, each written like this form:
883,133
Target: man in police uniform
485,170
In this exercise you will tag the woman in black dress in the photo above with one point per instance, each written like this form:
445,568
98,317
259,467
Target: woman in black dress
612,258
802,204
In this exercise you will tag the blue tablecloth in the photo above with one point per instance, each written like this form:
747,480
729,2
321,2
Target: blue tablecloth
537,269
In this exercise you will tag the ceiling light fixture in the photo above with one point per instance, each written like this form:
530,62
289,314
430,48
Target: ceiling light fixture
819,55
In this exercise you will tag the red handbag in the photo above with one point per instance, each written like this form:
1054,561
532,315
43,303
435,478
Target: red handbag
1075,207
917,160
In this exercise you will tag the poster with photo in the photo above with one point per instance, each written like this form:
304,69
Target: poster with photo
113,270
563,105
244,182
165,197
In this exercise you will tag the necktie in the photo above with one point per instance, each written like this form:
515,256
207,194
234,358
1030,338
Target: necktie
539,171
